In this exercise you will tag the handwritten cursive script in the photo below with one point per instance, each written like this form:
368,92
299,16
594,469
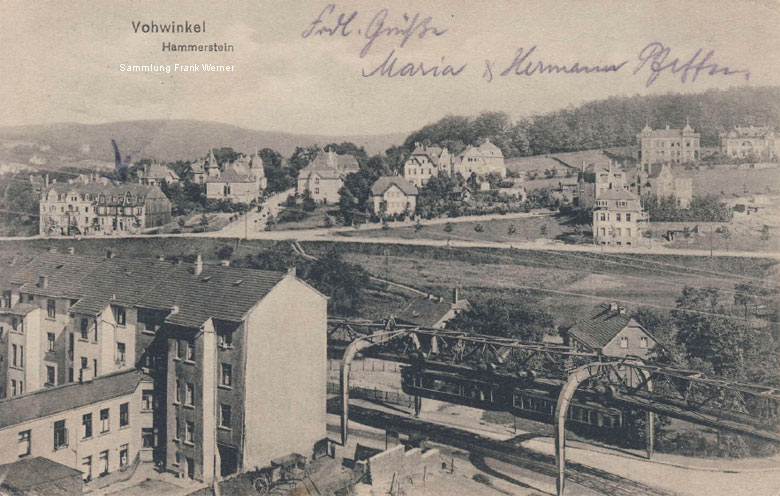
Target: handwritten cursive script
521,66
344,24
659,57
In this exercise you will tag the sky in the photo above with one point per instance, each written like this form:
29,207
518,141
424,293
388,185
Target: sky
61,61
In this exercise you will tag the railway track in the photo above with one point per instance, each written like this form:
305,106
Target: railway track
505,451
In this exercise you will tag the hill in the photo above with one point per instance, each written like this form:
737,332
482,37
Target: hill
609,123
165,140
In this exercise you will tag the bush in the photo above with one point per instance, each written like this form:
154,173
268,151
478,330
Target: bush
478,228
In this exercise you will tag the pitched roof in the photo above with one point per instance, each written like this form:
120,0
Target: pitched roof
323,173
157,171
121,281
222,293
600,327
231,175
385,182
617,194
333,160
423,312
666,133
64,272
30,472
50,401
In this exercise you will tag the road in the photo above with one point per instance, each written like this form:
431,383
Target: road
244,228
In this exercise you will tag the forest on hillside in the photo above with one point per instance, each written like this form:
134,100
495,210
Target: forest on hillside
613,122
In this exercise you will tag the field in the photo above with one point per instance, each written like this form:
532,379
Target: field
565,284
526,229
310,220
730,183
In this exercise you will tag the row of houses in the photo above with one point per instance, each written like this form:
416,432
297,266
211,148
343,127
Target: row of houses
106,361
428,161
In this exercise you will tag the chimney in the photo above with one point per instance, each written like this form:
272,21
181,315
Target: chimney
224,263
109,254
291,271
582,167
455,296
161,258
198,266
71,250
174,309
667,126
613,306
43,281
46,180
622,310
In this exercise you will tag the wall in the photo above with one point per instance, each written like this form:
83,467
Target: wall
42,435
633,332
285,373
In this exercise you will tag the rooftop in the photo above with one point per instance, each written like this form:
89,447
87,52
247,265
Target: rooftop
50,401
30,472
385,182
600,327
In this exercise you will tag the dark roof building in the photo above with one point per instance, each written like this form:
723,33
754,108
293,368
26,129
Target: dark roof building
39,476
608,330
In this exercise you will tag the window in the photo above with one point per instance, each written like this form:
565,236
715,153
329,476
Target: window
618,217
179,349
103,462
190,351
120,352
190,394
603,217
84,329
120,315
227,375
147,399
51,309
25,443
643,342
147,436
224,417
628,217
50,380
124,455
226,340
60,435
178,398
70,374
177,434
628,232
14,355
13,387
86,423
86,468
189,434
105,421
624,342
50,341
124,414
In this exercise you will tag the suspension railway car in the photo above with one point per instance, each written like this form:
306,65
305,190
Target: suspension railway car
534,399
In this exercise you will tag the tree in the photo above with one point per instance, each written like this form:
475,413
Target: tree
543,230
309,204
511,230
225,252
501,318
342,281
328,221
448,227
479,228
418,226
765,233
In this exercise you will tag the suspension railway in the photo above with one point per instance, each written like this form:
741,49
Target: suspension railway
542,381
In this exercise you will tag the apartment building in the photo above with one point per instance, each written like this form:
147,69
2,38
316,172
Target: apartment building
99,427
392,195
217,341
668,145
324,176
756,142
617,218
426,162
90,207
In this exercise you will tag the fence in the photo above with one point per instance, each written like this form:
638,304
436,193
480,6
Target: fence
368,364
389,397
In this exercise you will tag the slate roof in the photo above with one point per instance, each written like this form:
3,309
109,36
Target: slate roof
617,194
600,327
666,133
222,293
21,309
123,281
323,173
333,160
64,274
30,472
231,175
50,401
385,182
